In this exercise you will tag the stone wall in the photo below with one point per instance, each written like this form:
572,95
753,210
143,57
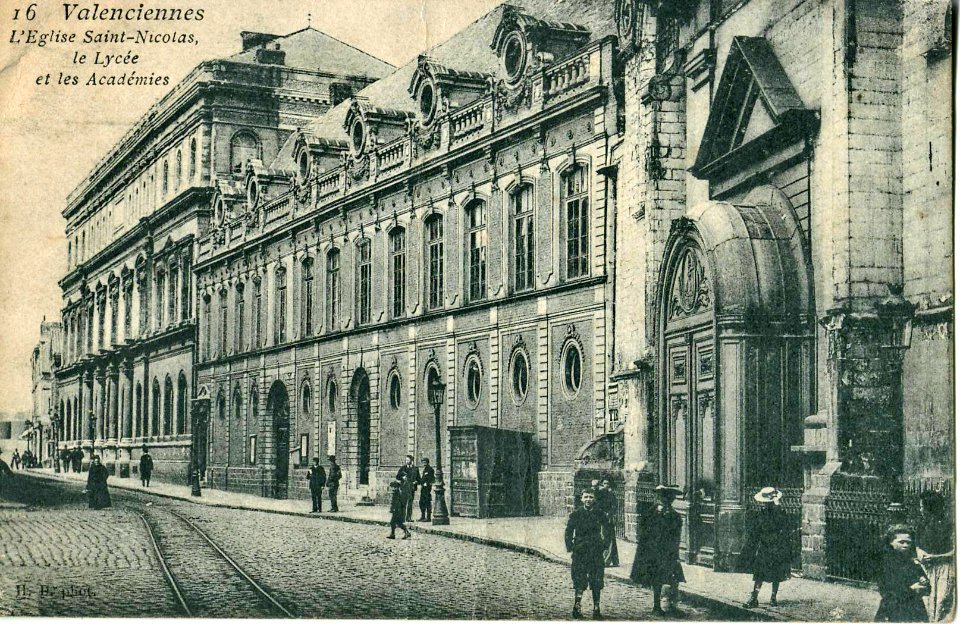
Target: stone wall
556,492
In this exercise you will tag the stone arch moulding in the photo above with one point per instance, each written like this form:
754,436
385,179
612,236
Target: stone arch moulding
755,322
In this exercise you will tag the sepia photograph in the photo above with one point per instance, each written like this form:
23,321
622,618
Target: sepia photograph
617,310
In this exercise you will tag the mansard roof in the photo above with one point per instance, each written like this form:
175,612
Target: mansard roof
467,51
304,47
515,17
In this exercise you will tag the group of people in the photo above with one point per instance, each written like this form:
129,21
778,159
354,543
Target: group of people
319,479
71,459
403,490
918,579
27,460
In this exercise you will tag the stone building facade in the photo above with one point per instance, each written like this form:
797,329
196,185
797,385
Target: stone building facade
785,186
128,294
451,222
43,364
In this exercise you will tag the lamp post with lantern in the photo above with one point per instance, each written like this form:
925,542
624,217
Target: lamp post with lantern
436,389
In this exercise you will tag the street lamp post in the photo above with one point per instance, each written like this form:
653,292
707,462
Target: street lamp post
440,514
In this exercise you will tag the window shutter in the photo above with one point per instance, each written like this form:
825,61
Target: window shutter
495,243
544,217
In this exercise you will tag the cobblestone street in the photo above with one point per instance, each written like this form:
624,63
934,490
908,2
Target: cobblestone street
49,540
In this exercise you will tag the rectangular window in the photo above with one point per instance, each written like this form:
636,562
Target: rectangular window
172,300
223,324
435,263
523,264
281,308
258,314
185,312
578,229
307,300
159,307
90,327
304,449
363,281
398,270
101,313
252,450
333,290
114,313
239,319
127,309
477,237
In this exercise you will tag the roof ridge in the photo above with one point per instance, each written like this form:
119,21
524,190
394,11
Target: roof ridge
342,42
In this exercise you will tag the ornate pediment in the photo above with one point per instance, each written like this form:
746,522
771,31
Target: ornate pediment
368,126
438,89
690,293
755,113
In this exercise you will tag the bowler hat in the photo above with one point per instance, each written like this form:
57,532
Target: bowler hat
768,495
668,490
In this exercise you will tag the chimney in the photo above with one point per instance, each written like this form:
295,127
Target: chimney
256,39
273,56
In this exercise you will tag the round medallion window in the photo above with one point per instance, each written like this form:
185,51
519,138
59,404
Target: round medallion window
520,375
474,380
356,136
395,391
428,102
514,57
572,369
253,194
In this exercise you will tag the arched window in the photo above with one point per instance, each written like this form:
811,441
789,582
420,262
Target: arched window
474,381
281,305
244,147
521,209
476,214
396,390
223,323
140,432
165,182
193,158
574,199
207,328
332,395
257,312
333,289
363,280
398,271
237,404
167,406
253,424
239,318
306,297
181,404
159,308
306,400
178,171
154,428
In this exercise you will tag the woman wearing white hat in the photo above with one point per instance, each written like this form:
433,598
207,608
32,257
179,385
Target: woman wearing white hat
767,553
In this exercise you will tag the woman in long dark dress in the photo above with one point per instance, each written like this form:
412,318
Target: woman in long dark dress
658,548
903,583
97,494
607,503
767,552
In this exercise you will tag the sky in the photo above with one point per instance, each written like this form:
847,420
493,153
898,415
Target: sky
51,135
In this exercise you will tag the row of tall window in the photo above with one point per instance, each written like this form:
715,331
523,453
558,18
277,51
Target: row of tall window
521,249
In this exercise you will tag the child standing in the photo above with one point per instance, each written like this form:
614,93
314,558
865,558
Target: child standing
586,538
398,511
767,552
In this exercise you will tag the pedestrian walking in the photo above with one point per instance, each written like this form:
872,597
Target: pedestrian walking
658,548
398,510
902,583
585,538
333,483
408,476
607,503
77,457
15,460
767,552
97,495
935,550
146,467
317,477
66,459
25,459
427,478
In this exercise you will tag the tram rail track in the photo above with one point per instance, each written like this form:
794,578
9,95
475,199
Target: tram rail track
192,603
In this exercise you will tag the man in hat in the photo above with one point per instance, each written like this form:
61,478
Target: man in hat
767,552
333,483
427,478
409,477
586,539
146,467
317,477
658,548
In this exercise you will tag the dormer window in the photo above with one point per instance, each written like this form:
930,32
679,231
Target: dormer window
219,211
303,167
514,57
253,194
428,102
357,137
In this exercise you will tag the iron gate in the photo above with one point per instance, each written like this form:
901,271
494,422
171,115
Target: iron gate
582,481
856,517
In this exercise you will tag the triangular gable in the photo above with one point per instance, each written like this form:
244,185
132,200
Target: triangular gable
755,104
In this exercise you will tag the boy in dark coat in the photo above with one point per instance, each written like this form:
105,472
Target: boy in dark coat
903,582
398,510
317,477
767,551
658,548
408,476
333,483
586,538
427,477
146,467
97,495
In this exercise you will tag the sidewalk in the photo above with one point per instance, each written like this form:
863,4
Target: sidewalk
800,599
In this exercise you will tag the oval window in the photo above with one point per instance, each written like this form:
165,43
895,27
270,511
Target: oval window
513,57
304,167
395,391
332,396
572,370
356,136
474,379
521,374
253,194
427,102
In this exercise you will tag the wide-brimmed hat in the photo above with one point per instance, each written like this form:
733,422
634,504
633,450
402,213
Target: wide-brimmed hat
768,495
668,490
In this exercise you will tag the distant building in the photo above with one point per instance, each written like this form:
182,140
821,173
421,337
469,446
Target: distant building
132,226
43,365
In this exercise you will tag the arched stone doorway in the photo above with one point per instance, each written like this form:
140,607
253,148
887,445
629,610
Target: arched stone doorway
735,341
360,399
278,407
